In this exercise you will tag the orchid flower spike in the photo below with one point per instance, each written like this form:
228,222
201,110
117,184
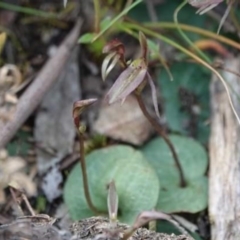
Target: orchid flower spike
134,78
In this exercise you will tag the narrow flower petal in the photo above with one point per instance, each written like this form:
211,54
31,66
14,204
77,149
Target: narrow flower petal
112,64
154,94
203,3
105,64
205,9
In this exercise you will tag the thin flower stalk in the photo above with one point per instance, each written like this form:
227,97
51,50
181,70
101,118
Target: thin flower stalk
78,108
163,134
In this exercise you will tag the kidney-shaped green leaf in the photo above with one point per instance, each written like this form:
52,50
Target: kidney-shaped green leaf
193,159
136,182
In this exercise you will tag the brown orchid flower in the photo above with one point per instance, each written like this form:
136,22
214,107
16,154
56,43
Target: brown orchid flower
78,108
133,78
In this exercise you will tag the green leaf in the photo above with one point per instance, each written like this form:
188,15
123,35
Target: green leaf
136,182
86,38
189,91
193,159
191,199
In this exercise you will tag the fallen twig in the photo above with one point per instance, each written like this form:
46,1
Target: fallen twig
43,82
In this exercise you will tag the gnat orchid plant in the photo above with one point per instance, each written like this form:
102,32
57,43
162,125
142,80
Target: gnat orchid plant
132,80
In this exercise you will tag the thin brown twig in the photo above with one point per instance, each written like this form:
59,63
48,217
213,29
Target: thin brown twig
27,203
162,133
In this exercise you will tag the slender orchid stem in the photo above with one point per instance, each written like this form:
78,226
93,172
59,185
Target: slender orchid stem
162,133
84,176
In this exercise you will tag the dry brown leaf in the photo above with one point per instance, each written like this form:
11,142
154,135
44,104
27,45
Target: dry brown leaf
10,80
124,122
10,77
11,173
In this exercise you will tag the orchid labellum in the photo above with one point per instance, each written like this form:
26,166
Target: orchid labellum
133,78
